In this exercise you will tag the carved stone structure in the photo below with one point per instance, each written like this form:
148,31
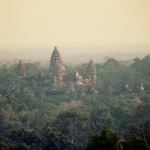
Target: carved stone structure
21,70
78,78
142,88
71,86
56,69
91,73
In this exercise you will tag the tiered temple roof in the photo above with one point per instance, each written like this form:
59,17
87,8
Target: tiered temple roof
92,72
21,70
56,68
55,57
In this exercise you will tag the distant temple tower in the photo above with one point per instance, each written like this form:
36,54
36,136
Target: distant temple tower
56,68
91,73
21,70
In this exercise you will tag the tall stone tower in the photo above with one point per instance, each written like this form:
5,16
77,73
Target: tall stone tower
91,73
56,69
21,70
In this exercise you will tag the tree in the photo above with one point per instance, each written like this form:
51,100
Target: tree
106,140
74,125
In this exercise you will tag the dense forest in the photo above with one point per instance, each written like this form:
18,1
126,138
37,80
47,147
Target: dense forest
115,116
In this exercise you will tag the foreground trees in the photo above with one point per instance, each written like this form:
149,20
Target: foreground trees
110,140
106,140
31,117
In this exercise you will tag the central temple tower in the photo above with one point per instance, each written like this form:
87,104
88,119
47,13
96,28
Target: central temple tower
92,72
56,69
21,70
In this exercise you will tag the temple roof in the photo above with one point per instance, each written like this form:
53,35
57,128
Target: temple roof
56,67
91,68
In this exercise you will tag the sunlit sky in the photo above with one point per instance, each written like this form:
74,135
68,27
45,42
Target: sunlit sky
33,23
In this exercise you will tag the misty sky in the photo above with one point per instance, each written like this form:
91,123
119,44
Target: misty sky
43,23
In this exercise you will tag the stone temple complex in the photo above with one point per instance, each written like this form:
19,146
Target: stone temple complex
57,73
57,80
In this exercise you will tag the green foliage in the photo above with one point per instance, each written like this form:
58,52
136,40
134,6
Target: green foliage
133,144
32,68
106,140
75,125
112,73
8,74
32,116
142,66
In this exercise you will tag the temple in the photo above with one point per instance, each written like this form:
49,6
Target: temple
76,83
21,70
91,72
56,69
57,81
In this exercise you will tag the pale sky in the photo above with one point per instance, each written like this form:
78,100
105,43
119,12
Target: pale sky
33,23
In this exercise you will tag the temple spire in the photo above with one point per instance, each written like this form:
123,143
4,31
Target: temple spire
56,68
92,72
21,70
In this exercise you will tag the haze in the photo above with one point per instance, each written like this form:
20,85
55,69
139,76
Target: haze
83,25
